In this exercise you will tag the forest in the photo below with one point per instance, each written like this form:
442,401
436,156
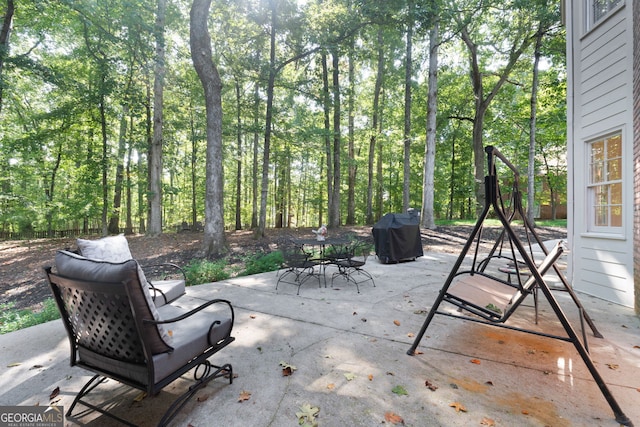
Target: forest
329,111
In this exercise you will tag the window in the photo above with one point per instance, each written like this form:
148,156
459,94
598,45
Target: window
605,184
598,9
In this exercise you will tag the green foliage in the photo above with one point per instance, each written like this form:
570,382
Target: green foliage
262,262
12,319
204,271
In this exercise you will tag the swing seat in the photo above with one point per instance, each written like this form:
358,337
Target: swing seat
491,298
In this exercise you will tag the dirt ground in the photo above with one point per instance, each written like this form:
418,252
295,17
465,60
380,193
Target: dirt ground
21,262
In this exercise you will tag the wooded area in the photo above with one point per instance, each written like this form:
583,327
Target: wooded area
332,111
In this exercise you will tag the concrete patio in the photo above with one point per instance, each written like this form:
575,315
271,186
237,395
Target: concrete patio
349,351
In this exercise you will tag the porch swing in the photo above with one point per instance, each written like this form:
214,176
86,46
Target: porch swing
482,295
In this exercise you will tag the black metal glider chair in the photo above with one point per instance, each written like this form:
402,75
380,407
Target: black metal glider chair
116,331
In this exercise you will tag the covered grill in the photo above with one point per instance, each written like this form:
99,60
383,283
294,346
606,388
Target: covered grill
397,237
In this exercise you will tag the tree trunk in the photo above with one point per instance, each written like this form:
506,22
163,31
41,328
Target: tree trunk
428,188
374,127
5,34
114,220
264,191
531,170
155,151
200,41
334,207
105,155
327,135
408,74
239,158
254,168
351,184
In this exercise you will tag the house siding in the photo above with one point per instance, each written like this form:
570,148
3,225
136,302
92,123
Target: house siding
600,101
636,155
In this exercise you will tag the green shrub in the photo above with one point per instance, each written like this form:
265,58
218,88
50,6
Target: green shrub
262,262
204,271
12,319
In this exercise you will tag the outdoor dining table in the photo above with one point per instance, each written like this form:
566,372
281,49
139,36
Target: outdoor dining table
319,250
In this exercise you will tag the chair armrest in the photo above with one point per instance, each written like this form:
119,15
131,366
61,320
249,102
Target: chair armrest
192,312
166,268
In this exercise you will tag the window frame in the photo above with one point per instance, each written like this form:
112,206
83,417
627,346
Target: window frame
594,188
590,16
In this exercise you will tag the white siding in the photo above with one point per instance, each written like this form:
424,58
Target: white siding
600,101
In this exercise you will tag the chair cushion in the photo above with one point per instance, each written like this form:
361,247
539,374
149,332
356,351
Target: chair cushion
165,291
191,336
110,248
78,267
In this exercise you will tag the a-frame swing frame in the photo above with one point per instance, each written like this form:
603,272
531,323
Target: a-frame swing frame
493,203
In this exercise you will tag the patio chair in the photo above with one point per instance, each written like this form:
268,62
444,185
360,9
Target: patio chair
351,268
299,266
116,331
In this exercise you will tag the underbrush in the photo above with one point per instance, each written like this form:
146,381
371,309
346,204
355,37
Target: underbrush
12,319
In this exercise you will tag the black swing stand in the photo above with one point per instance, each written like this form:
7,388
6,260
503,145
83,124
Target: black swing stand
490,299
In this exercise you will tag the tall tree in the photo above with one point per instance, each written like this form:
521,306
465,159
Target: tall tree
487,83
154,227
5,33
201,55
334,201
374,126
408,79
428,186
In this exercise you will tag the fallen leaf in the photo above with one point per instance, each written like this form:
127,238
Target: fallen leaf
410,335
393,418
13,365
331,386
170,332
613,366
370,377
396,322
140,397
287,369
244,395
417,352
475,361
307,414
350,376
203,398
54,393
430,386
286,372
488,422
400,390
458,406
525,412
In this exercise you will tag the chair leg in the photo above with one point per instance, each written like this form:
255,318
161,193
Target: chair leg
203,374
201,381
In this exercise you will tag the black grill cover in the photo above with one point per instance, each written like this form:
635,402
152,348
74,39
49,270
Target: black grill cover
397,238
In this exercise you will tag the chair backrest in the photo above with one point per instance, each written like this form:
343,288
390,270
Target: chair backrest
98,316
84,270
